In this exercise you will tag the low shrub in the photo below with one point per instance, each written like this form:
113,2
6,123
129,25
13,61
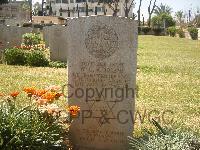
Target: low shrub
41,124
171,31
27,128
165,139
181,33
57,64
31,39
157,31
37,58
146,29
15,56
193,33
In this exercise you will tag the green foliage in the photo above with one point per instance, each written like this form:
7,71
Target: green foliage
165,139
37,58
57,64
15,56
157,31
181,33
193,33
146,29
158,21
172,31
31,39
180,17
163,9
27,128
3,1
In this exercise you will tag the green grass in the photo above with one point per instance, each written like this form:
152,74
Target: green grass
168,78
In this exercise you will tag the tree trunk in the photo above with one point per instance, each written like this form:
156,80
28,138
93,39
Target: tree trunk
126,13
115,13
149,22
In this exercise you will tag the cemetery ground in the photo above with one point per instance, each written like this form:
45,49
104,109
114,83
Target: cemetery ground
168,81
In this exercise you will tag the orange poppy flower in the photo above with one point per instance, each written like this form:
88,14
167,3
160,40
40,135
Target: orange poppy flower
39,92
14,94
58,95
1,94
73,110
50,96
29,90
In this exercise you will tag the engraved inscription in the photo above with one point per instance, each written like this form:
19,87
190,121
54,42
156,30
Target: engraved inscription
101,41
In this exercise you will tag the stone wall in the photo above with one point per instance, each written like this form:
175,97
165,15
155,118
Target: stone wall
49,19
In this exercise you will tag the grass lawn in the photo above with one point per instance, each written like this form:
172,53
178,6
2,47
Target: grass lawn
168,78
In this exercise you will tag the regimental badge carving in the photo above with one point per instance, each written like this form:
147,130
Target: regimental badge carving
101,41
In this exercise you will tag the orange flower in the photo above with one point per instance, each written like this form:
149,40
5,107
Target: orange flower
73,110
14,94
41,102
50,96
29,90
1,94
39,92
58,95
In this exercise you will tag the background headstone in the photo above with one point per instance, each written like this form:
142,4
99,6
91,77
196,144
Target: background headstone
12,36
55,38
102,63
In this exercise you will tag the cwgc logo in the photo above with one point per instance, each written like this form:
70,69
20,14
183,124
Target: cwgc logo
101,41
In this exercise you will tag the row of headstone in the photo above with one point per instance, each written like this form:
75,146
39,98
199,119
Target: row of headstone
101,80
11,36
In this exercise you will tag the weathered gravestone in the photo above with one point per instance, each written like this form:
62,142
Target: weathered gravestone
11,36
46,32
14,35
55,37
2,40
101,80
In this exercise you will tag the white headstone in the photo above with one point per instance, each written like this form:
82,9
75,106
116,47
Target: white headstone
102,81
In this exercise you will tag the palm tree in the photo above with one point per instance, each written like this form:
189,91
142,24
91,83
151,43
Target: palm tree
180,16
163,9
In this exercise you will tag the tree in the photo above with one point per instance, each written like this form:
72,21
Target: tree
196,21
151,10
112,4
139,12
180,17
163,20
36,8
3,2
163,9
42,7
128,4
